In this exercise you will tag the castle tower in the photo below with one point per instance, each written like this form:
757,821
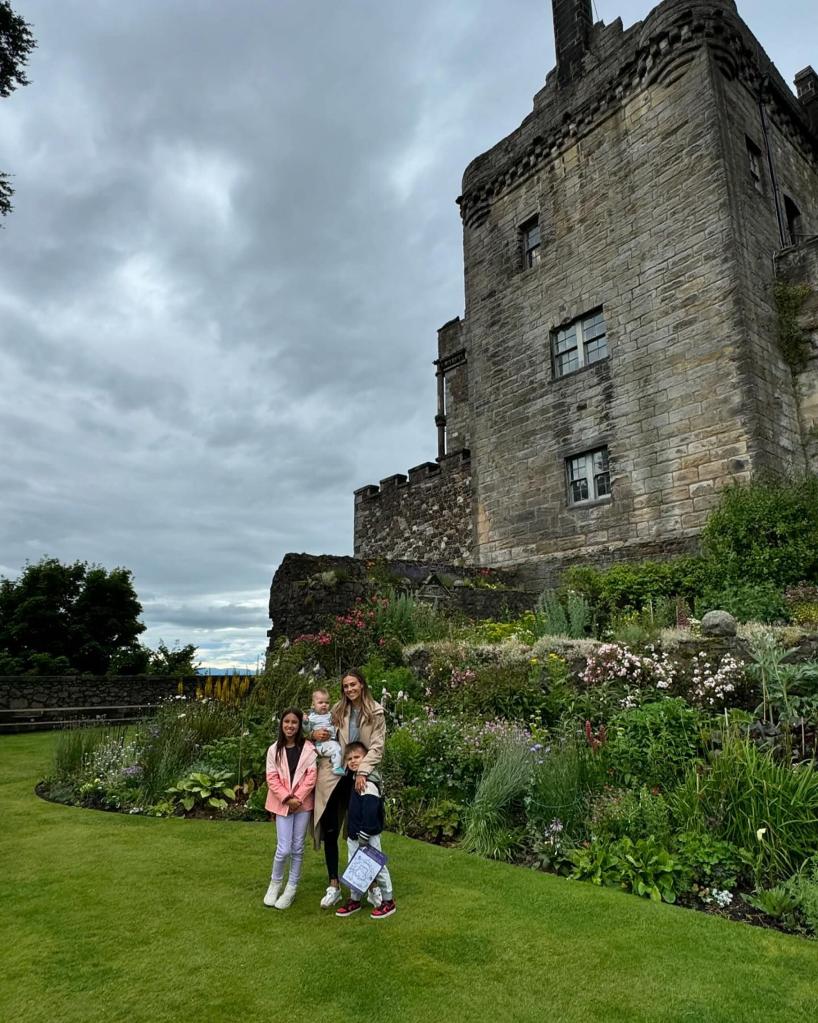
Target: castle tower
618,362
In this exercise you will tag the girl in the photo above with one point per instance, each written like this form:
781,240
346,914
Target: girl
291,777
358,718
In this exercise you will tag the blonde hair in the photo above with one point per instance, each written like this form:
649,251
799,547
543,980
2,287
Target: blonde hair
344,705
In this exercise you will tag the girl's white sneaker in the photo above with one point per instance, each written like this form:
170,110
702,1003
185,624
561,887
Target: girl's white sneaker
273,893
331,897
285,900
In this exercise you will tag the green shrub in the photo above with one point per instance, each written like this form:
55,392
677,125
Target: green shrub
644,867
444,757
653,744
564,778
634,586
802,604
287,681
748,602
403,761
242,756
173,740
620,813
74,748
511,691
200,789
550,618
765,532
748,798
489,825
712,863
400,616
778,903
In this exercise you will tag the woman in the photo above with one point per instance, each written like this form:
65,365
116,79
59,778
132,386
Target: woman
290,784
358,718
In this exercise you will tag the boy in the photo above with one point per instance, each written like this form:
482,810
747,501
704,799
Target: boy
320,717
365,822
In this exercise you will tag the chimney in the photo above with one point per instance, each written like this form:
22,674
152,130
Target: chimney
573,21
806,85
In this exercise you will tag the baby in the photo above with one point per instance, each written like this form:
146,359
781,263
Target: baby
320,717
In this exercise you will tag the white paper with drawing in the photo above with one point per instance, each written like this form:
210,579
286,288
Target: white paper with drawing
363,868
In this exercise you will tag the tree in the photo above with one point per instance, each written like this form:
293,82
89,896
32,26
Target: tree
180,660
16,43
57,618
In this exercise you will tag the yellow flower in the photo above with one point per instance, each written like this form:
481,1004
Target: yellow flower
761,833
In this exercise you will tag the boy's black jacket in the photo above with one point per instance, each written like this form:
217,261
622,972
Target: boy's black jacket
366,816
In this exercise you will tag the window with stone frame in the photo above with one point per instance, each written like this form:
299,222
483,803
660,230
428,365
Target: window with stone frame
530,242
589,476
755,164
580,343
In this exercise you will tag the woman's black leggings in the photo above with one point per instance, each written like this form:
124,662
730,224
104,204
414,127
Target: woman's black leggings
331,823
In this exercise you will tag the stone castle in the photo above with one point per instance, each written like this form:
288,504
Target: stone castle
634,253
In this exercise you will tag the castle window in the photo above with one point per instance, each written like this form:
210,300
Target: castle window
530,235
579,344
794,223
589,476
754,162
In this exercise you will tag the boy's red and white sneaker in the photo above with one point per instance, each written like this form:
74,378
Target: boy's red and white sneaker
386,908
348,908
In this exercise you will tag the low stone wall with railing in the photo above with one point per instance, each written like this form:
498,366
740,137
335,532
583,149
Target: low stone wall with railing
29,702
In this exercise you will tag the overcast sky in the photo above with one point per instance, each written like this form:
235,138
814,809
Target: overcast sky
234,240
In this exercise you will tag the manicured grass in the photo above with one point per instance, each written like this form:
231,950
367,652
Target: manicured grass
105,917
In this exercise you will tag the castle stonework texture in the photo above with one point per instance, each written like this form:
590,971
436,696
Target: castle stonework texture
627,251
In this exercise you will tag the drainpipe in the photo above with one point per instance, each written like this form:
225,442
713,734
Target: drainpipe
440,418
770,164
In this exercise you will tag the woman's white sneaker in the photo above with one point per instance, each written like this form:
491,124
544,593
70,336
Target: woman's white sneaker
331,897
285,900
273,893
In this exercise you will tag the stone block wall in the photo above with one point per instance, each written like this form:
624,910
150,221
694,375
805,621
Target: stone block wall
798,266
309,590
49,701
771,160
634,175
425,517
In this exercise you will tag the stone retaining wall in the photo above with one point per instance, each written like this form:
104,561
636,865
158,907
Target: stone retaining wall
308,590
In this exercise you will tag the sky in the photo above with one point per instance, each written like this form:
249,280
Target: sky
234,238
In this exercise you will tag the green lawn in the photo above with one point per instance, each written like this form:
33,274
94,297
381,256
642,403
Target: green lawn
108,917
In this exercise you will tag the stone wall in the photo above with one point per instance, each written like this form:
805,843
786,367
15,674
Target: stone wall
309,590
427,516
657,164
639,175
798,267
48,701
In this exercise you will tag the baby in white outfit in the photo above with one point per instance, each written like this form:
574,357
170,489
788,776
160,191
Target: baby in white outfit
319,717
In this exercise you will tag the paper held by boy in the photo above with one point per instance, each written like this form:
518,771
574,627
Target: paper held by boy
363,868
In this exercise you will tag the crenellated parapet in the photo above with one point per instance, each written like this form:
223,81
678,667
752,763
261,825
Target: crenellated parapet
619,63
422,514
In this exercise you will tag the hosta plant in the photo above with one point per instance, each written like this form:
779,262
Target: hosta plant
200,789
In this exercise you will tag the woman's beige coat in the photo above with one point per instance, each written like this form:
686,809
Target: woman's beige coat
373,736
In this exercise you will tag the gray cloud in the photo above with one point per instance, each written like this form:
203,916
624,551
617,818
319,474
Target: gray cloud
235,238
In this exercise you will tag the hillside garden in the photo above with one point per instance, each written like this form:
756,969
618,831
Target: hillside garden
604,737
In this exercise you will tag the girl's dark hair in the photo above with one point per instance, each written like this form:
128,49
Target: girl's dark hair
281,741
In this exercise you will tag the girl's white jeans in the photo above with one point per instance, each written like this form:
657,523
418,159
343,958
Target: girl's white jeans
291,831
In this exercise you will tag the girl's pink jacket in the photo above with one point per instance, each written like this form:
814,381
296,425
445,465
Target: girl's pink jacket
280,786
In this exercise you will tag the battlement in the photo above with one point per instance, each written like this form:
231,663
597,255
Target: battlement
448,465
615,64
423,514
